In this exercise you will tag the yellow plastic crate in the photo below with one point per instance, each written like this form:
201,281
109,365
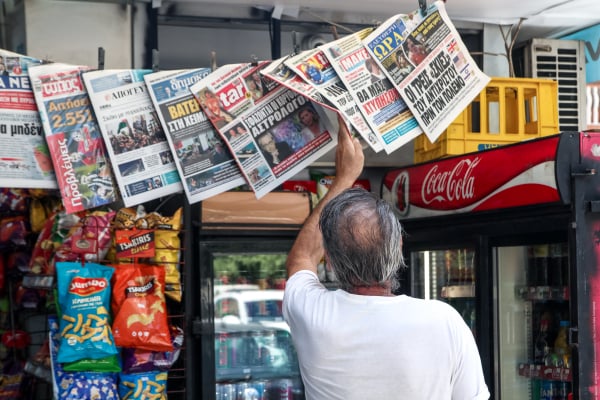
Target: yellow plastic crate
508,110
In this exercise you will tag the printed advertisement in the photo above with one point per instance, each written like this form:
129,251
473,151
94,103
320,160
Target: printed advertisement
272,139
83,169
137,147
426,60
314,67
376,97
24,157
205,164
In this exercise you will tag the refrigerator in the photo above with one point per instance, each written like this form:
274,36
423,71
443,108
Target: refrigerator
510,237
238,345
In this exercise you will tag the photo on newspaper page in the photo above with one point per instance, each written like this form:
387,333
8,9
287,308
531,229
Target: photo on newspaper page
316,70
279,72
83,169
427,61
378,100
135,140
24,156
272,139
205,164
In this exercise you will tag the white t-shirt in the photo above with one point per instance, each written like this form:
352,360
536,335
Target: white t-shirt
376,347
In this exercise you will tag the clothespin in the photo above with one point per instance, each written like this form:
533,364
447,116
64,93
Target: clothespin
423,7
254,60
100,58
334,32
295,42
155,60
213,60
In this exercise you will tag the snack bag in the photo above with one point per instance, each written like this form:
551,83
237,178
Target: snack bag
84,300
139,306
136,360
143,385
77,385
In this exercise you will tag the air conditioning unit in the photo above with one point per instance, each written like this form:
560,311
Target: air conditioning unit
564,62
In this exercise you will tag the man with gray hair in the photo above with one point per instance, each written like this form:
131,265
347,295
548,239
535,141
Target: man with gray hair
362,341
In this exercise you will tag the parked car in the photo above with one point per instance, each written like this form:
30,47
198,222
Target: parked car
250,306
256,362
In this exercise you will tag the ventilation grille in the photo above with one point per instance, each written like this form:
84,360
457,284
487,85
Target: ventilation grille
564,62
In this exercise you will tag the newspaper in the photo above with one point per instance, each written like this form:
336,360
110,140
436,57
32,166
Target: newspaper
279,72
24,157
266,134
426,60
314,67
83,170
203,168
142,162
376,97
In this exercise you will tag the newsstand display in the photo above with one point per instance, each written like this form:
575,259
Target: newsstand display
91,301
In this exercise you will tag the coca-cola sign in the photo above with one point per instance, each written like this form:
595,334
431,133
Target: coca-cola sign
508,176
455,184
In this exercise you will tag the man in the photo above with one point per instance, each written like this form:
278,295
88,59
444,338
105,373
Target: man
274,152
361,341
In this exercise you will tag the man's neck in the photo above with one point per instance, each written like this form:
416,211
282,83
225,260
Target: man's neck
372,290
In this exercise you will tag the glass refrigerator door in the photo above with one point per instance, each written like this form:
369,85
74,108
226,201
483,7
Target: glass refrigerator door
532,320
254,354
447,275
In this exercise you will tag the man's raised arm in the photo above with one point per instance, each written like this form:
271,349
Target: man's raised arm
307,251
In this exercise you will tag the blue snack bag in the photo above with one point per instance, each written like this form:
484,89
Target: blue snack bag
78,385
143,385
84,299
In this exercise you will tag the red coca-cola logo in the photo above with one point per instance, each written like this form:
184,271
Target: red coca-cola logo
452,185
87,286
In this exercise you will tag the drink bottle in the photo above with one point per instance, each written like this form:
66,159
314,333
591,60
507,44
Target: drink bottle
561,347
541,342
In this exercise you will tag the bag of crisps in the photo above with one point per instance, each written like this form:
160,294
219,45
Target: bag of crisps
84,300
139,307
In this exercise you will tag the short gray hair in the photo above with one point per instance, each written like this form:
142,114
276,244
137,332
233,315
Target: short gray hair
362,238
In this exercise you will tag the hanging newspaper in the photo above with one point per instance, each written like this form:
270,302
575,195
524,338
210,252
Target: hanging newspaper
24,157
81,164
136,143
426,60
376,97
279,72
265,134
203,167
314,67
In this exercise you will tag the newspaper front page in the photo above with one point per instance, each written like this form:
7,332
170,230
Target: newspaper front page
83,170
272,138
135,140
376,97
314,67
426,60
24,156
205,164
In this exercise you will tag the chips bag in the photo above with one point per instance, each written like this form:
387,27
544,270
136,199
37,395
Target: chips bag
77,385
139,306
137,360
84,300
143,385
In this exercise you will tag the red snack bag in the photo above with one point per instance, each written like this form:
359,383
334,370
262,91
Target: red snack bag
139,307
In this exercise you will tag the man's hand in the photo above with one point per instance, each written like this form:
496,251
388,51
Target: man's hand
307,251
349,159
